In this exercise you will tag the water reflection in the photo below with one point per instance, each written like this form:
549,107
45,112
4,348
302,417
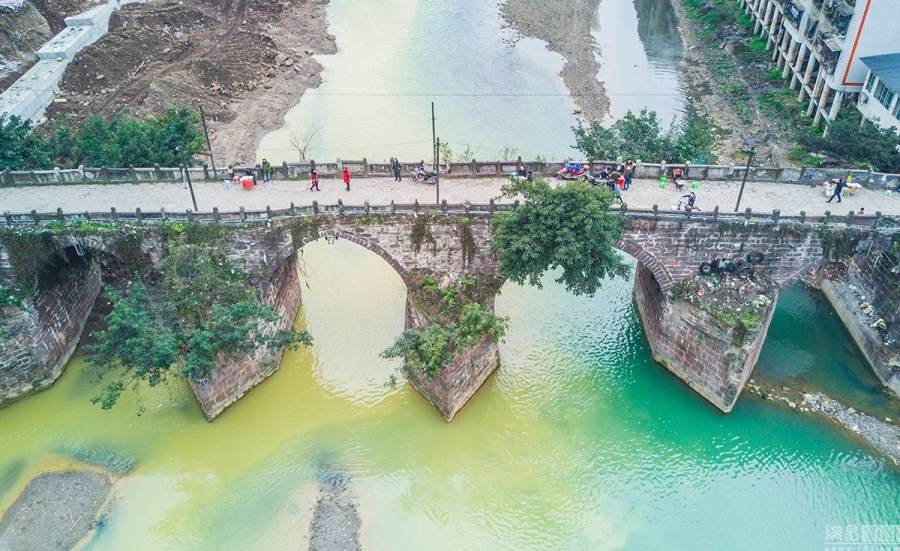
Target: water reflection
640,50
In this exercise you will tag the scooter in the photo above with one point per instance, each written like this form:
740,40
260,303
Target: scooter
572,171
422,176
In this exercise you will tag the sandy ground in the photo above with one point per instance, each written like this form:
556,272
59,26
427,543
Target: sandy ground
761,197
55,511
565,25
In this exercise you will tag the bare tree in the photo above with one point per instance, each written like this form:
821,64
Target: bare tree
302,139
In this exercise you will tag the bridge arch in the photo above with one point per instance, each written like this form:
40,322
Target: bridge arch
340,233
648,260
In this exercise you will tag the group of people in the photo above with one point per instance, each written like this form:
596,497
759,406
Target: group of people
314,177
835,187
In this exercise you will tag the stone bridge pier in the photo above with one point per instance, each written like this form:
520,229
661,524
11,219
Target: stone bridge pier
442,253
687,340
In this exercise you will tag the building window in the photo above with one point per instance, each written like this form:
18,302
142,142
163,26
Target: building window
897,110
884,95
871,82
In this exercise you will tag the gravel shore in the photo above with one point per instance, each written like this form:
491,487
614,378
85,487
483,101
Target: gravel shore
335,524
565,25
55,511
881,436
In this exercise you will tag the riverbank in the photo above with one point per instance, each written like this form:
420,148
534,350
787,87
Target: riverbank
245,63
881,436
566,28
729,82
56,511
335,523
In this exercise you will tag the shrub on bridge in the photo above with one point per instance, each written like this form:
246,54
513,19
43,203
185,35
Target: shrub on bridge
568,228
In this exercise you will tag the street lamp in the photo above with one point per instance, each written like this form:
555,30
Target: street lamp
749,147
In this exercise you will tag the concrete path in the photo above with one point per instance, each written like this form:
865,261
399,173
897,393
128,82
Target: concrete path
761,197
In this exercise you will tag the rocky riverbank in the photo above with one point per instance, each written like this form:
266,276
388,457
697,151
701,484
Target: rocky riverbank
335,523
56,511
565,25
247,62
879,435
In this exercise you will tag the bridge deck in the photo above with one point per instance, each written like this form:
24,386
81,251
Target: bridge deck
760,196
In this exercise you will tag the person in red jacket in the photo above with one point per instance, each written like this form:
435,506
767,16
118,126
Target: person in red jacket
347,178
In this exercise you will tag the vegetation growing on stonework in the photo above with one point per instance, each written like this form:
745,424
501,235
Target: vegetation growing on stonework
421,232
568,228
459,320
838,244
736,303
467,239
28,252
199,311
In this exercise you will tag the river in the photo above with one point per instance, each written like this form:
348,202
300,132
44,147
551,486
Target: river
496,94
579,441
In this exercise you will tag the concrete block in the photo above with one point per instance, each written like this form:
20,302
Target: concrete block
67,43
98,15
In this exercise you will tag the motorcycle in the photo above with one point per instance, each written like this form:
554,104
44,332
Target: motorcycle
572,171
741,268
422,176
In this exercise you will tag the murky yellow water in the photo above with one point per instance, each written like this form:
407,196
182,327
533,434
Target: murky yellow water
578,442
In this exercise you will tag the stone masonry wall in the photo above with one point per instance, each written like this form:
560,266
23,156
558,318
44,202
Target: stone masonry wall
460,380
232,379
693,346
392,241
674,250
37,341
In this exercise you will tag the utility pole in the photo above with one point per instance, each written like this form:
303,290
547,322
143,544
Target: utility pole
187,174
433,138
744,180
437,172
212,160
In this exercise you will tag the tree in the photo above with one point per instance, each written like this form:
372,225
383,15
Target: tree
199,312
851,143
568,227
641,136
301,141
20,148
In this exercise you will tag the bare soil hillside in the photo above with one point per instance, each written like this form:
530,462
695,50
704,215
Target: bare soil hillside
245,61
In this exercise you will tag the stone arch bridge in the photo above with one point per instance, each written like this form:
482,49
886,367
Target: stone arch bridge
39,337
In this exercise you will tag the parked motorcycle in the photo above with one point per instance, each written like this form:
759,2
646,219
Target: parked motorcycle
422,176
572,171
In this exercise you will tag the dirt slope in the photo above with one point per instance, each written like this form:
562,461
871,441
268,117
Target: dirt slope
245,61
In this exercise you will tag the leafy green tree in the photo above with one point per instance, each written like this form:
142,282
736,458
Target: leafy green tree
175,136
849,143
596,141
640,136
20,147
569,227
199,312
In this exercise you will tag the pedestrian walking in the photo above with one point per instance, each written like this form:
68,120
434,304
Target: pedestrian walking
266,170
314,181
629,173
346,175
839,186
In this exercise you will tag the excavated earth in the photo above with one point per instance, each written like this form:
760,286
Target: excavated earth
246,62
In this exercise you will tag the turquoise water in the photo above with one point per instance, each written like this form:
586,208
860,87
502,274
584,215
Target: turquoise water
579,441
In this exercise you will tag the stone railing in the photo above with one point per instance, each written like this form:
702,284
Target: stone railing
877,222
363,168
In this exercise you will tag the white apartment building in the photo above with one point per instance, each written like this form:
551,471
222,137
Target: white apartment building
879,100
818,45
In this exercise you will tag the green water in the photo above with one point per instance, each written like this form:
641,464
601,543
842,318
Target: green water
579,442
